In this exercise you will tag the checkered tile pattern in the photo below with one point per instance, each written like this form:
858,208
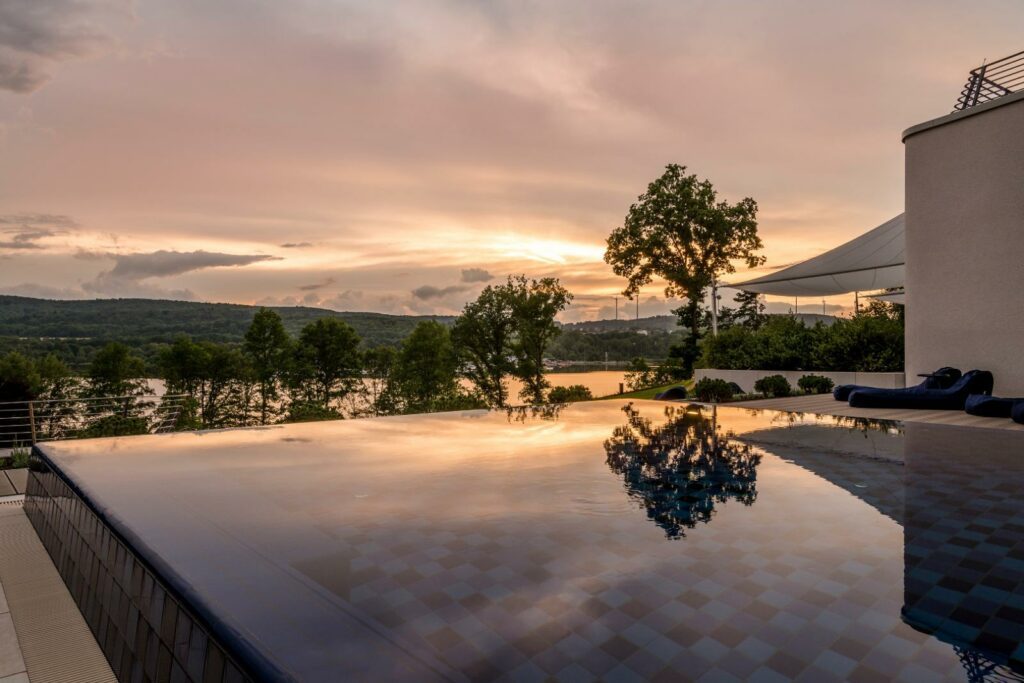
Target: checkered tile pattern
964,550
808,601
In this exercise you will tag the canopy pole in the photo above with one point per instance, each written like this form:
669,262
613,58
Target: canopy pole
714,307
796,305
856,302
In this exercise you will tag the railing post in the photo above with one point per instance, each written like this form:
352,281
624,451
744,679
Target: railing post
32,420
979,79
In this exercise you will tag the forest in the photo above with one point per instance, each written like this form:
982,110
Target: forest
75,330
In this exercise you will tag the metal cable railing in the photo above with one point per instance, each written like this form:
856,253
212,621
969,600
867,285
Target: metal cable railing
26,422
992,81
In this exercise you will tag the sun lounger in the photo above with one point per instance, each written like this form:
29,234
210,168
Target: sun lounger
1017,414
989,406
940,379
952,398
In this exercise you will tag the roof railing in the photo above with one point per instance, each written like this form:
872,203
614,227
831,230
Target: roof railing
23,423
991,81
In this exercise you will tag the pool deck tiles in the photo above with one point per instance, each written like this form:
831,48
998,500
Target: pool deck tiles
43,637
824,404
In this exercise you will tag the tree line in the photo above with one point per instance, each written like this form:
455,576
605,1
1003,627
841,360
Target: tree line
326,371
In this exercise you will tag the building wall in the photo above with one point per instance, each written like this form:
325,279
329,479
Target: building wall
965,243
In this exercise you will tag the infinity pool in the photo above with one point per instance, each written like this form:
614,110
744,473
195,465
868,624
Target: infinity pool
602,541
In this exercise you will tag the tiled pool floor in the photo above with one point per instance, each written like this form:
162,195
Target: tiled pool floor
608,541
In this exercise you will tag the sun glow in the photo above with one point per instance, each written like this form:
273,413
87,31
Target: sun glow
558,252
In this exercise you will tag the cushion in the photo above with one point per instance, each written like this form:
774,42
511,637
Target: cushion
989,406
1017,413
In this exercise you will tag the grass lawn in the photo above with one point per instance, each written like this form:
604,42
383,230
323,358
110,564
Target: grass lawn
650,392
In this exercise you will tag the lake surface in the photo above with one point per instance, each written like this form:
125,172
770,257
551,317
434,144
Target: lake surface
600,382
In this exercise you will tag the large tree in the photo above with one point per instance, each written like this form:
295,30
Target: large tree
680,231
212,375
327,364
536,303
483,334
505,332
267,345
426,369
116,372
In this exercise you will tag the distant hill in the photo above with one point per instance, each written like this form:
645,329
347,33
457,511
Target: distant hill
76,329
156,320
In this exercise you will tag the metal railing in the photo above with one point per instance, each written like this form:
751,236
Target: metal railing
26,422
991,81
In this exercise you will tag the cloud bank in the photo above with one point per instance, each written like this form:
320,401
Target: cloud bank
476,275
427,292
131,272
37,35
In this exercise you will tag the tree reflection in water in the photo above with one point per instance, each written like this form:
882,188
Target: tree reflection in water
679,470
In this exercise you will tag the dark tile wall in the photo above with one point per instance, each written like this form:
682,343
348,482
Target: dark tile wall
145,633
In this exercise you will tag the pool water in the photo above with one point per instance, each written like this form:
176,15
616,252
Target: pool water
612,540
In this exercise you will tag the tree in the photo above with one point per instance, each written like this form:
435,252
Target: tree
115,371
59,387
426,369
381,396
212,376
483,334
750,312
569,394
19,381
267,345
535,305
679,231
19,378
326,364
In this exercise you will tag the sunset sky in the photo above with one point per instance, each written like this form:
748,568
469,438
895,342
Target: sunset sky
397,157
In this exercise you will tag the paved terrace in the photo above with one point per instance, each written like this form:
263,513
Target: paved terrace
43,637
824,404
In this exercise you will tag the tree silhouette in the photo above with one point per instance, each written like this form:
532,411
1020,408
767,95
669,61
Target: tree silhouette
680,470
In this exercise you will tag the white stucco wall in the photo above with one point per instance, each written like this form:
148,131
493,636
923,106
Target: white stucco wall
965,243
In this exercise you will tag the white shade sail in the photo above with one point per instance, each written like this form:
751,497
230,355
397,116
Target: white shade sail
872,261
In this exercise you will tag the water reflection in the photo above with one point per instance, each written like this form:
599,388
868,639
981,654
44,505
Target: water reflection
679,470
964,545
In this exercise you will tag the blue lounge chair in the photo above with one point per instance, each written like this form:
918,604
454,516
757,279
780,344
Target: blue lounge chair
1017,414
940,379
952,398
989,406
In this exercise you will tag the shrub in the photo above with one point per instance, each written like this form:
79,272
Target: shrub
712,390
773,385
569,394
864,343
309,411
19,458
815,384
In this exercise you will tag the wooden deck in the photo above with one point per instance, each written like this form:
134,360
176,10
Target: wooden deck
824,404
